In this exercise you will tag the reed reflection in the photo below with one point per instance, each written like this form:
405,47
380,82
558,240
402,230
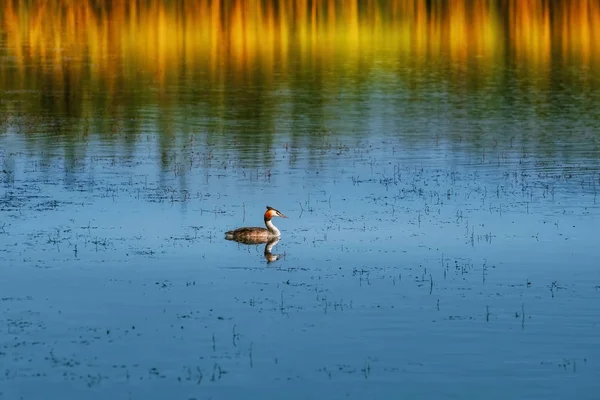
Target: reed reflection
238,41
243,68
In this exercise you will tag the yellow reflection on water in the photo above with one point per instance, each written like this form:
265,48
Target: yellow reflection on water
111,42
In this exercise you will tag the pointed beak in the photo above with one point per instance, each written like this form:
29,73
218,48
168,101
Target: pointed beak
282,216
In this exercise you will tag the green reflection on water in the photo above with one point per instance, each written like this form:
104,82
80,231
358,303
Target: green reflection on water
477,72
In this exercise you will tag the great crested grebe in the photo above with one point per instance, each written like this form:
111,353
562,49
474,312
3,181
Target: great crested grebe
255,235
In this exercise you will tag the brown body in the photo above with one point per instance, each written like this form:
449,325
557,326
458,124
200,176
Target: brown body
256,235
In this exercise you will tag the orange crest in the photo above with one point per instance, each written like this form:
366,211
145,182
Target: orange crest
270,214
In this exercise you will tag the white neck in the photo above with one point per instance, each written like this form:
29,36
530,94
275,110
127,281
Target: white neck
270,244
272,228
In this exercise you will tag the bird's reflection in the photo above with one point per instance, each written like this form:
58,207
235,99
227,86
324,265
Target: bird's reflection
269,244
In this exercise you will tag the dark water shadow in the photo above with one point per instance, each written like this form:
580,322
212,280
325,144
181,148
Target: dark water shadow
269,244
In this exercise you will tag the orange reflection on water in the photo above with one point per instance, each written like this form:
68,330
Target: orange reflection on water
530,30
246,40
577,28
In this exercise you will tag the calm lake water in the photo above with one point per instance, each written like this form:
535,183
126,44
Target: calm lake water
439,164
